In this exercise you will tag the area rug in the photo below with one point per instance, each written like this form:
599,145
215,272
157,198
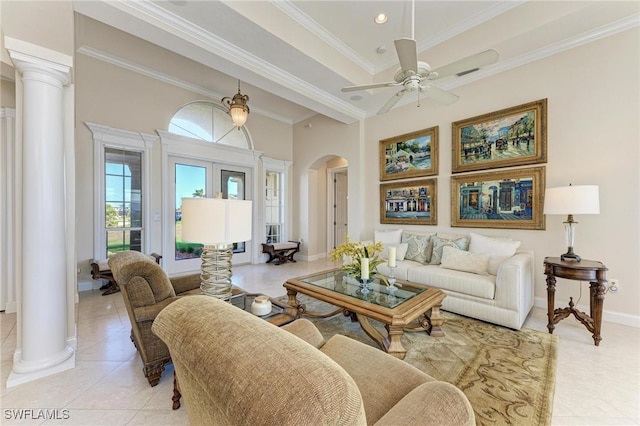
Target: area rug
508,375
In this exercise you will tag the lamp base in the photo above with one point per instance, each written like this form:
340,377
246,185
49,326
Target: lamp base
215,273
570,256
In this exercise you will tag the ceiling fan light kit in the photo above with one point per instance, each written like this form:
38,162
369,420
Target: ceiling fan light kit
413,75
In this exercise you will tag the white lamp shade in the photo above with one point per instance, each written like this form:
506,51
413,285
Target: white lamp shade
579,199
215,221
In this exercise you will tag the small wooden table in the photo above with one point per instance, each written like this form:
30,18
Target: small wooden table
397,309
585,270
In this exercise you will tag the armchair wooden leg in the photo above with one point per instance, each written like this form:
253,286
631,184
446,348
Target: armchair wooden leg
153,372
176,392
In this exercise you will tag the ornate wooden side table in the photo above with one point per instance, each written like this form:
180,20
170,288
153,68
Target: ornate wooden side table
585,270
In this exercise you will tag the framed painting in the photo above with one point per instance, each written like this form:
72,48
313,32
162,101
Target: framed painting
410,155
510,137
410,203
509,199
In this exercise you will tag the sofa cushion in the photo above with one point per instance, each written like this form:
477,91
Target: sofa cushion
419,248
498,249
402,268
460,282
388,237
460,260
461,243
401,251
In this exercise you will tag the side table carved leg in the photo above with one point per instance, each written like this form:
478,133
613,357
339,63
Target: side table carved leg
596,290
551,293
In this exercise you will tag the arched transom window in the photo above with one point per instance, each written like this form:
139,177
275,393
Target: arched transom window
209,122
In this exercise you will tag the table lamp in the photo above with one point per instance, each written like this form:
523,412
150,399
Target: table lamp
570,200
217,224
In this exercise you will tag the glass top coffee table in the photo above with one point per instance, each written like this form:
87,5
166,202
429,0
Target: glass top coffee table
397,309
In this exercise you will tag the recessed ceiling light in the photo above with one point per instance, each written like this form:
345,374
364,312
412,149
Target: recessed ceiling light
356,98
380,18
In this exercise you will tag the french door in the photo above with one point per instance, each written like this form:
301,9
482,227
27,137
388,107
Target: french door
194,178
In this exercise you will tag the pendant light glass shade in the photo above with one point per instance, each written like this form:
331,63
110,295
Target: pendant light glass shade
238,108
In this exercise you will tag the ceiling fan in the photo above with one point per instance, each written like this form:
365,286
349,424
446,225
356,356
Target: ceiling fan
415,76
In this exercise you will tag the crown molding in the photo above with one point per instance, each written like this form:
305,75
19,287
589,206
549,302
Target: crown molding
151,73
319,31
161,18
460,27
604,31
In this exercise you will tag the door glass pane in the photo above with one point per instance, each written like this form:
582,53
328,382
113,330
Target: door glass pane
191,181
123,200
272,208
233,184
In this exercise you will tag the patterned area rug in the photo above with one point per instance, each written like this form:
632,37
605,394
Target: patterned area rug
508,376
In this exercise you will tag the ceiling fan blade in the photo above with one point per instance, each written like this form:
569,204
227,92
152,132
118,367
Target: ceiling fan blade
369,86
407,54
391,102
438,94
464,65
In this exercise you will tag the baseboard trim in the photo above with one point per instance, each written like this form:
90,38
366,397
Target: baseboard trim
611,316
89,285
310,258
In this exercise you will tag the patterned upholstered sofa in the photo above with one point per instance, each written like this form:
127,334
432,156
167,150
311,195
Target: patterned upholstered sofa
235,368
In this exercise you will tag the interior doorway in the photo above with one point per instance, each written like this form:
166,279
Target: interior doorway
338,217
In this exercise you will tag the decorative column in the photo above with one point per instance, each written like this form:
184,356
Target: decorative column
42,302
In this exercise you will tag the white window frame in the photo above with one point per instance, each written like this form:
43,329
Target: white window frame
177,146
284,168
108,137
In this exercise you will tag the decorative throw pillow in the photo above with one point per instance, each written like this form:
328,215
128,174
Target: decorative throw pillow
461,243
460,260
388,237
498,249
401,251
419,247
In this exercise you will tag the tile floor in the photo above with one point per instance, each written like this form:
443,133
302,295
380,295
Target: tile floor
594,385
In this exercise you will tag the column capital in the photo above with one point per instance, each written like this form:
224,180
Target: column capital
30,57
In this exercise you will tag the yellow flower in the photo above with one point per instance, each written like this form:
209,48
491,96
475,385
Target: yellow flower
351,253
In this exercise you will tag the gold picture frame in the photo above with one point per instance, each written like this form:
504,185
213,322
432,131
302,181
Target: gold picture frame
510,137
409,202
508,199
410,155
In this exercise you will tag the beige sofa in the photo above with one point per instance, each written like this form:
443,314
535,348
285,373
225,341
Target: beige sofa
235,368
487,278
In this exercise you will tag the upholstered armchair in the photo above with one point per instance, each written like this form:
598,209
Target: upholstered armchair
235,368
146,290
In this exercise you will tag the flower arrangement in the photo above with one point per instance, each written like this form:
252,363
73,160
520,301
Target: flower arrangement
351,254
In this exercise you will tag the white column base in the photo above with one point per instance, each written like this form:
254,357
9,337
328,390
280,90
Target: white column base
26,371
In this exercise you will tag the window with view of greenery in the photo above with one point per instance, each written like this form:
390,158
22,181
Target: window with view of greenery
123,200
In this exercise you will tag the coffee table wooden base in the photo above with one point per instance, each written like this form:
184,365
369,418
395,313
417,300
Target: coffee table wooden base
426,314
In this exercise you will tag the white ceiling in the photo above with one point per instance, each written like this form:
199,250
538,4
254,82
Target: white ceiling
293,57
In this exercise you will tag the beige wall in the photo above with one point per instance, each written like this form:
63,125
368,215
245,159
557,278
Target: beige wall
44,23
119,98
593,138
313,147
8,94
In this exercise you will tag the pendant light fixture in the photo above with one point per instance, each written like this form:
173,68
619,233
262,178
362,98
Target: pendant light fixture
238,108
